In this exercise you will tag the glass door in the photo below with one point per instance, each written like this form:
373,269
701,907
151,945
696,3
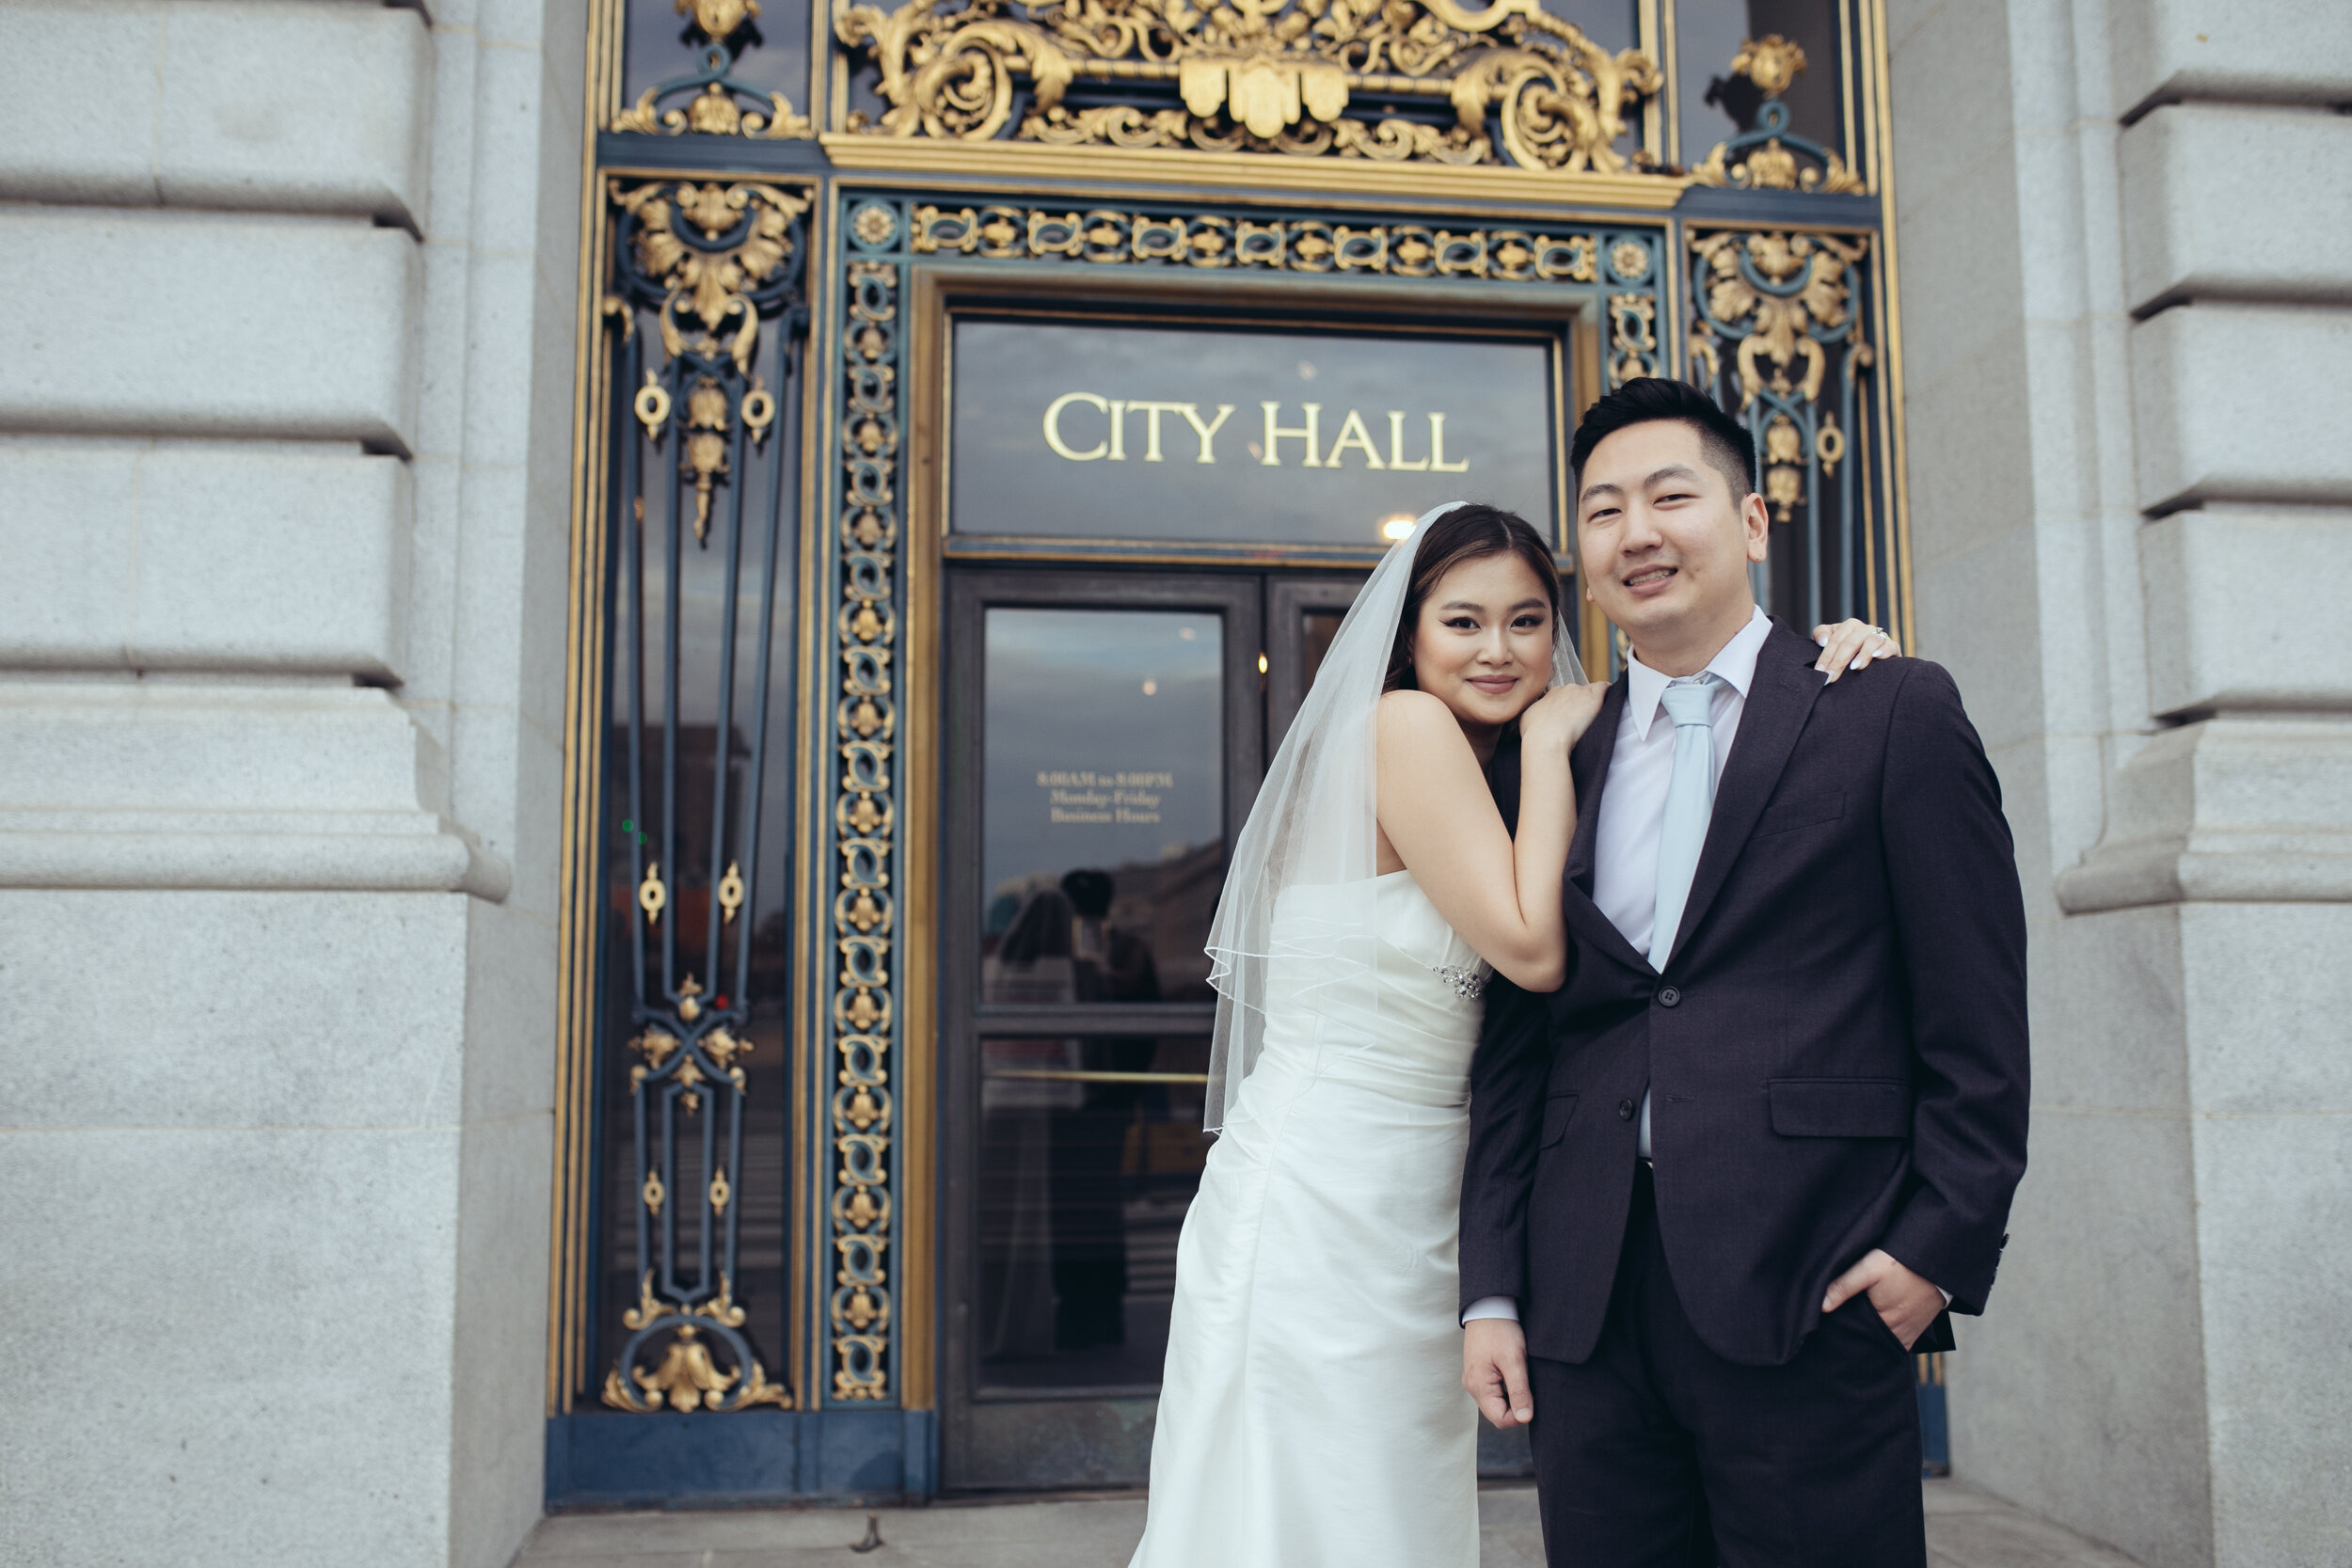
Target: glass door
1107,733
1105,739
1302,614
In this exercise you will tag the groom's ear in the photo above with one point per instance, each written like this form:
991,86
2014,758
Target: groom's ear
1755,523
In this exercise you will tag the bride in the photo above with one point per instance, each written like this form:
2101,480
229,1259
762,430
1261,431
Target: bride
1312,1410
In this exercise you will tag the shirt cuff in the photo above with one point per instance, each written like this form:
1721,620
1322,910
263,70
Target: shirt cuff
1492,1306
1939,1291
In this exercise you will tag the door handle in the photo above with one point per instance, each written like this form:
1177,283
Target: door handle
1083,1075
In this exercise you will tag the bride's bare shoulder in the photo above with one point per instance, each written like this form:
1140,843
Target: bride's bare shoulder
1411,723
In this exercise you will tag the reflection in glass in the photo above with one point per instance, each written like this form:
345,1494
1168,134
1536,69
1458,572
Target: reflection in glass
1103,811
1091,1151
1716,105
1091,431
1317,627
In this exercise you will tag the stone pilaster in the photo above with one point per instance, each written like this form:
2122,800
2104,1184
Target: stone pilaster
2133,211
285,410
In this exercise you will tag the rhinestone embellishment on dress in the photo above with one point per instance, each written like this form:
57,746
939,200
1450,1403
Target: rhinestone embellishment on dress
1468,983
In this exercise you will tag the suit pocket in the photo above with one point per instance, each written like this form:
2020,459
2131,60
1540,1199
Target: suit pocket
1806,811
1557,1110
1840,1107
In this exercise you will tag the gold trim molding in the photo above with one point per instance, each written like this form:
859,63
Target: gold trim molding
1016,164
863,1105
1525,89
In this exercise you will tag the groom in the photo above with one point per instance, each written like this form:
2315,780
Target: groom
1725,1179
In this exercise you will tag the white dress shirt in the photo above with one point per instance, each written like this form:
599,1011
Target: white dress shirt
1633,806
1634,810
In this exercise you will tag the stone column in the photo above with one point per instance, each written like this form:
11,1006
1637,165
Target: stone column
2126,325
285,424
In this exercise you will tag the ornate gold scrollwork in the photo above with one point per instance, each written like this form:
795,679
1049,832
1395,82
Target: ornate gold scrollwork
1261,75
716,109
1210,240
1762,159
1785,299
706,453
1632,338
866,724
687,1377
713,286
1805,285
716,268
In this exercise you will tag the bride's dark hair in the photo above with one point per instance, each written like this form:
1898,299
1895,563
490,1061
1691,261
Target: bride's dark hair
1469,533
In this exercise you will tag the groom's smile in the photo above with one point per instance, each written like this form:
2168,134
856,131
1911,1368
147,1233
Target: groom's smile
1666,543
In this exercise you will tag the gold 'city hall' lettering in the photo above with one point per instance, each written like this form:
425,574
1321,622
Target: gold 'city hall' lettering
1353,436
1115,445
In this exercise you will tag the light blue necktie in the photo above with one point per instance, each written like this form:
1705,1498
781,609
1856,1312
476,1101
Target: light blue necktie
1682,832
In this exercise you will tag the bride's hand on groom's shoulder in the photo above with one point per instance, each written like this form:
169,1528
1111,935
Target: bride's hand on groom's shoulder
1561,714
1850,644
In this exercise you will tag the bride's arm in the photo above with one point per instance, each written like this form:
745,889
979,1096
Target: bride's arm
1501,894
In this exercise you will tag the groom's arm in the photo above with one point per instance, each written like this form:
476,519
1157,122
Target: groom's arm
1506,1108
1960,926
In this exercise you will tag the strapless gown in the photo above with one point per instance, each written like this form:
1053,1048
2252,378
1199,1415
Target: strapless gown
1313,1411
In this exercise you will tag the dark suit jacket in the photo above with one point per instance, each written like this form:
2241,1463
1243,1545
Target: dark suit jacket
1836,1048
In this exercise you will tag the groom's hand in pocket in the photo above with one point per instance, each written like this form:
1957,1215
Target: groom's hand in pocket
1905,1303
1494,1369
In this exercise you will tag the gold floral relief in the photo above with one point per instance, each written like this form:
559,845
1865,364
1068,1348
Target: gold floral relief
1806,286
716,108
1767,158
710,286
863,1105
1390,80
687,1376
1782,306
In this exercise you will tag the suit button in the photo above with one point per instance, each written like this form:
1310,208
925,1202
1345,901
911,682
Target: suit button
1668,996
1625,1110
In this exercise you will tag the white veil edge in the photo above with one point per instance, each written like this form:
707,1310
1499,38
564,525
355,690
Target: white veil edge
1315,827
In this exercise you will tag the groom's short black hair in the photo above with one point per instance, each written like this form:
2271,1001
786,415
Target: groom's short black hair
1726,444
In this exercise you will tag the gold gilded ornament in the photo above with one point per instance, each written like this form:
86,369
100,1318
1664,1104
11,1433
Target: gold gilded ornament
1276,76
1778,323
711,286
1772,62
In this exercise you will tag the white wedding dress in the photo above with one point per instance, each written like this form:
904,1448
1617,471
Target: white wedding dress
1313,1411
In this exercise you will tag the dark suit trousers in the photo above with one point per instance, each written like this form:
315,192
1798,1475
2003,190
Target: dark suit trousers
1642,1448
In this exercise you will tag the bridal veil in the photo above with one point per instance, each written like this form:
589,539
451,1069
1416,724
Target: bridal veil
1297,909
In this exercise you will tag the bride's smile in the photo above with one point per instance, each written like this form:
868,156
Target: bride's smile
1483,646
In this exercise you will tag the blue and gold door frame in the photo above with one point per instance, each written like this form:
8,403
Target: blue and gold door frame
791,212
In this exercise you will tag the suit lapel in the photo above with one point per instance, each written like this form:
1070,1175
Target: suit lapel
1780,699
1588,765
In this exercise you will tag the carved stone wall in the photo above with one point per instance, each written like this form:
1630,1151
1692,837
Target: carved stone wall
285,419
